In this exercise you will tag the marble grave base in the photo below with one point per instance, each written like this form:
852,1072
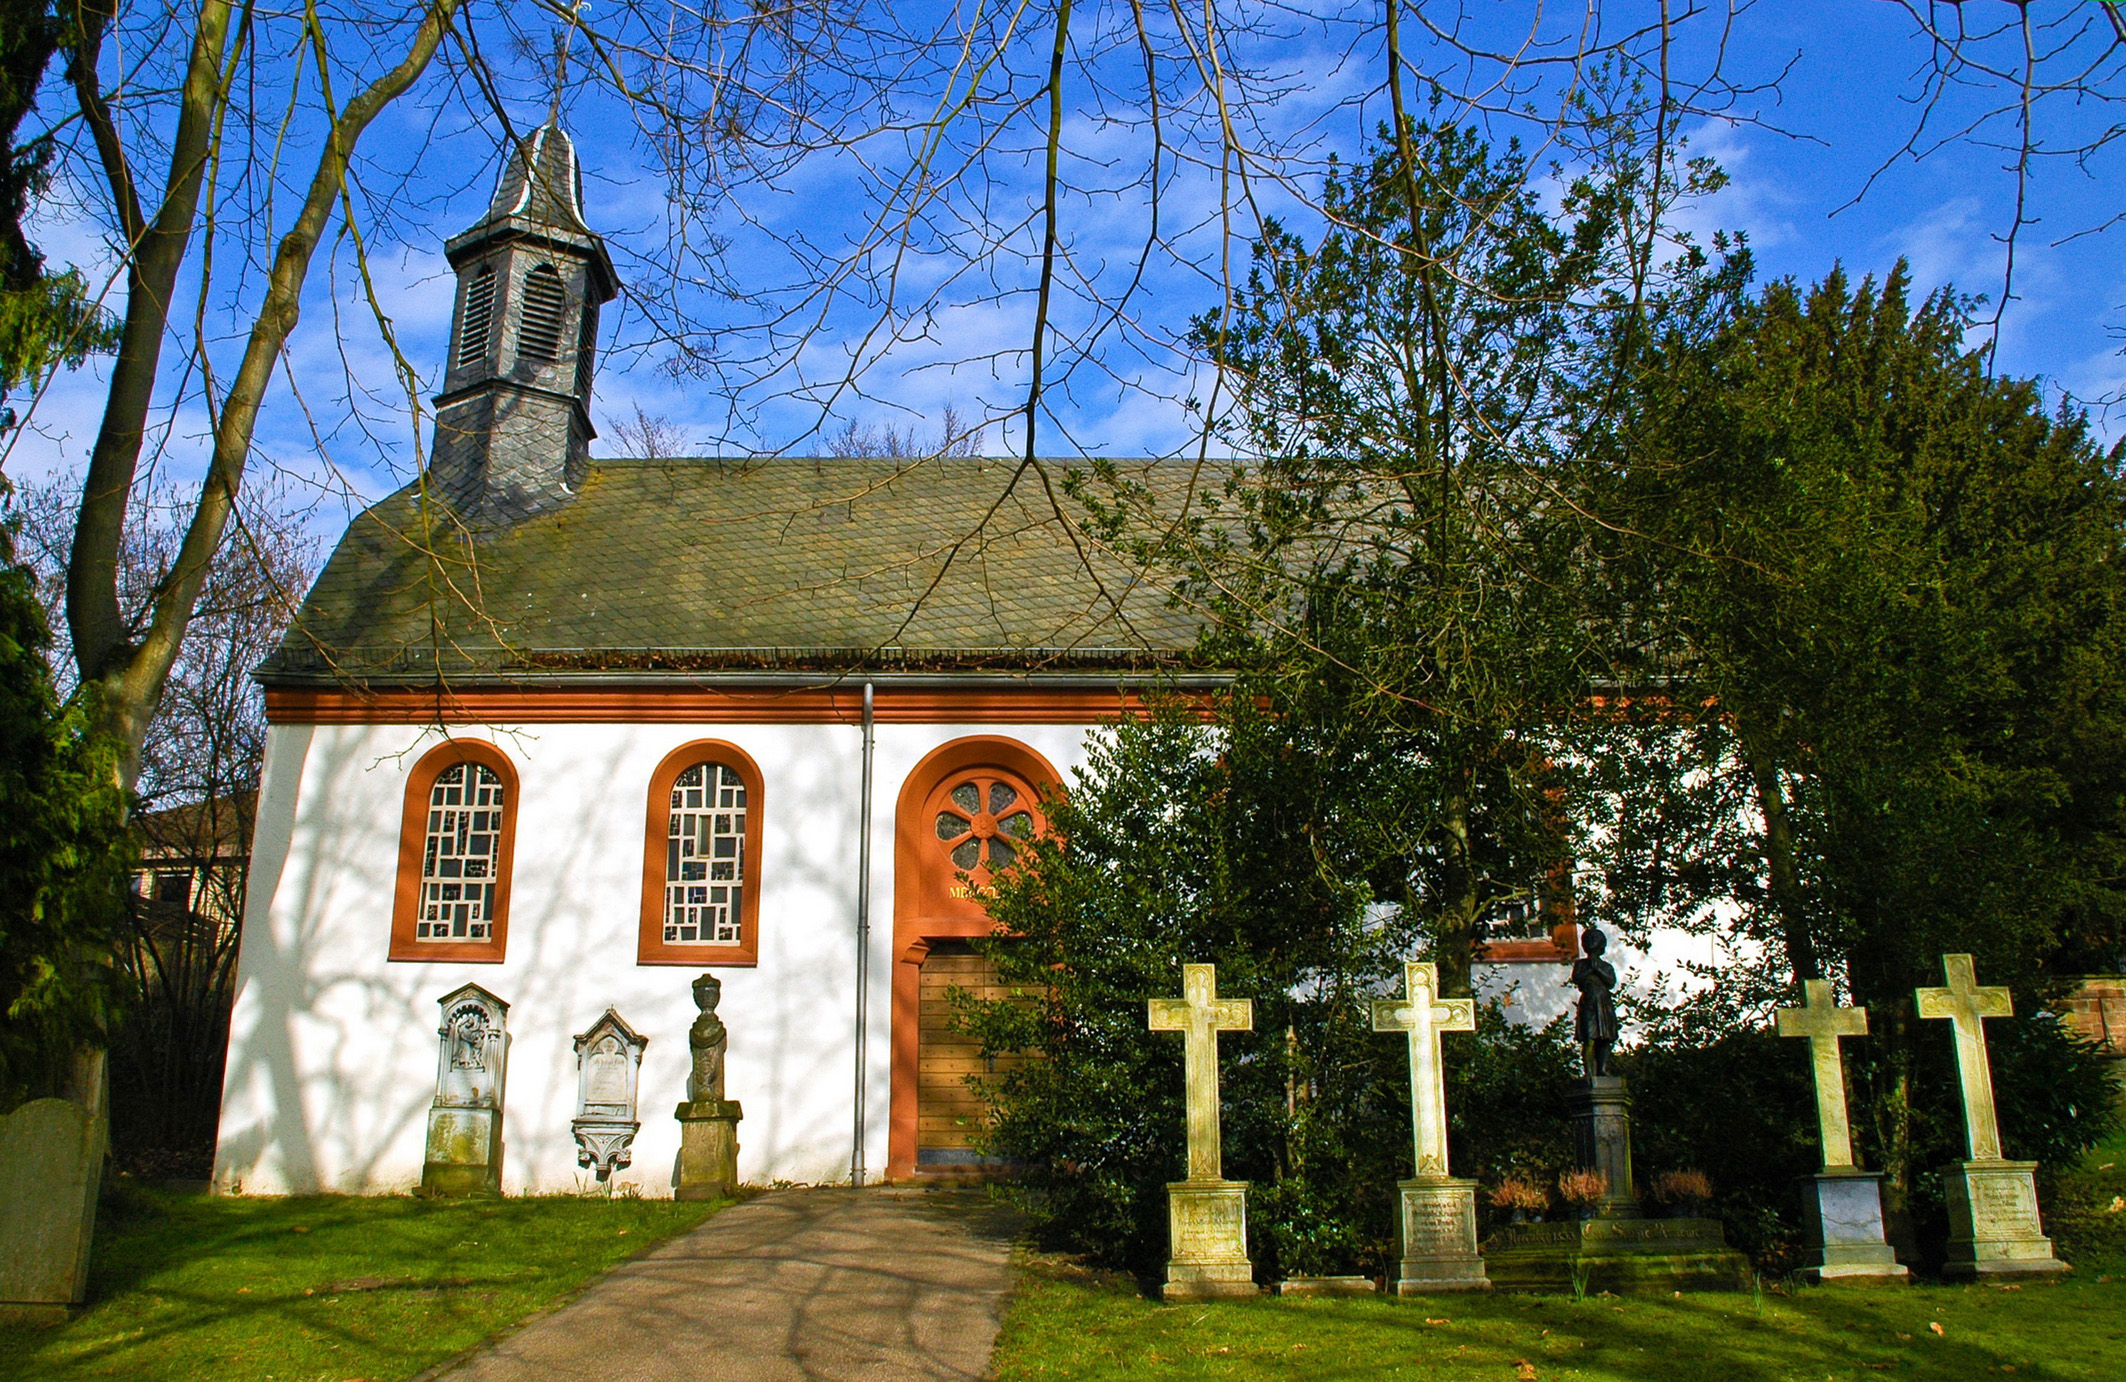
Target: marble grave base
464,1153
1207,1227
708,1149
1435,1237
1841,1226
1994,1229
1621,1255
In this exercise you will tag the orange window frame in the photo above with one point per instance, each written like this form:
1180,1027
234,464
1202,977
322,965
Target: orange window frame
413,832
651,947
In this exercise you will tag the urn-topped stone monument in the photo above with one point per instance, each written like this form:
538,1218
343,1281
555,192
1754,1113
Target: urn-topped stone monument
708,1122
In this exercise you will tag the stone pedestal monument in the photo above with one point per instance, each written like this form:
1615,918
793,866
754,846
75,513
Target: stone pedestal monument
465,1120
1841,1206
708,1122
608,1072
1994,1230
1207,1215
51,1169
1435,1221
1616,1248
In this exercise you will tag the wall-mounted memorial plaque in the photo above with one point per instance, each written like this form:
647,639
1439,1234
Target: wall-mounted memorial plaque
608,1068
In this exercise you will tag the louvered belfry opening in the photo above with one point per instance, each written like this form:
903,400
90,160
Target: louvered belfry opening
478,326
545,301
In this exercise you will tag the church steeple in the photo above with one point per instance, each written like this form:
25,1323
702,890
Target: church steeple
513,425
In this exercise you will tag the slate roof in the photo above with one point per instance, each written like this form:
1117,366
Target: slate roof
697,566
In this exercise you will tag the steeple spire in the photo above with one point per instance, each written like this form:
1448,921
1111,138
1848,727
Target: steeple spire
513,426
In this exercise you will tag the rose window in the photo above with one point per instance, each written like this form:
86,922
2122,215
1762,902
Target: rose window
984,821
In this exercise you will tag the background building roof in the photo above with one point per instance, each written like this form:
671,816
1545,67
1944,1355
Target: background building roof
695,566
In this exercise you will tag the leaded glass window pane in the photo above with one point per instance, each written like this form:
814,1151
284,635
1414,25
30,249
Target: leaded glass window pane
461,855
705,857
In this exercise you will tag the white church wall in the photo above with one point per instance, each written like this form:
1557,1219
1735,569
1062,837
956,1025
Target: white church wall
1657,965
333,1047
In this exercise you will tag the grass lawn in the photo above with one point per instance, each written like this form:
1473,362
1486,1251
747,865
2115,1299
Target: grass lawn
333,1287
1067,1324
1070,1323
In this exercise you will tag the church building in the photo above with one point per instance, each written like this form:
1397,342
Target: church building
571,731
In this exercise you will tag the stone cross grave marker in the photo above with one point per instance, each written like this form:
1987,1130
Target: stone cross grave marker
1200,1015
1423,1015
1841,1207
1967,1005
1206,1215
1435,1220
1994,1229
1822,1021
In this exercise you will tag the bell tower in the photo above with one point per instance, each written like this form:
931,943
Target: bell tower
513,426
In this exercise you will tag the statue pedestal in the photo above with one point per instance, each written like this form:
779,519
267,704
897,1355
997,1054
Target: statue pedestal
708,1149
1601,1139
1435,1236
1841,1224
1621,1255
464,1152
1207,1227
1994,1230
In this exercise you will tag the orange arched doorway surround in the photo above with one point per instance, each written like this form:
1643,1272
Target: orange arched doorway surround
943,821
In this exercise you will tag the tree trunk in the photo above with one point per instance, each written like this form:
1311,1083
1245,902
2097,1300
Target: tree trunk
1782,877
1456,933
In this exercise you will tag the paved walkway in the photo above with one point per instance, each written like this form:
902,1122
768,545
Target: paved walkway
796,1284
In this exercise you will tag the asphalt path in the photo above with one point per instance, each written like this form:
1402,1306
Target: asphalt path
795,1285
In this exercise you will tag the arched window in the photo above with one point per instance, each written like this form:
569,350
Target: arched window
478,322
701,859
539,329
456,838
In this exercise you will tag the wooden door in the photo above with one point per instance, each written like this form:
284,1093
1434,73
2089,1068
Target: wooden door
949,1111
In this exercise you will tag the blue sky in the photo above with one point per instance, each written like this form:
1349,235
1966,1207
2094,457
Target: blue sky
1800,158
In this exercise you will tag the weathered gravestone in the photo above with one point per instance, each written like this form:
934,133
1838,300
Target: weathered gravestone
1994,1228
708,1122
1616,1248
1207,1216
1841,1206
51,1169
608,1071
1435,1224
465,1120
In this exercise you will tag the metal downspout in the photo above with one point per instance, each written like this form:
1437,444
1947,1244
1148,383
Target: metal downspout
863,941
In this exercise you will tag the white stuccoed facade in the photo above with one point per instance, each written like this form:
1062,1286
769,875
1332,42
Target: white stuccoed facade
332,1046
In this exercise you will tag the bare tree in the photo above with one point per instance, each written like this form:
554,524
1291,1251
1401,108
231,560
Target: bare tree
175,959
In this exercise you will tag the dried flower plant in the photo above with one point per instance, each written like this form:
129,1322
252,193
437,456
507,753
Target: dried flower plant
1682,1187
1582,1187
1518,1192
